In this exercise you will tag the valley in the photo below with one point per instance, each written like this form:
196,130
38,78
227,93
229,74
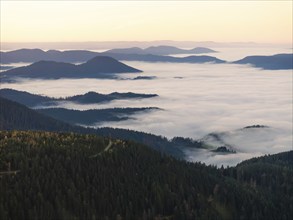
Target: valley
146,110
195,100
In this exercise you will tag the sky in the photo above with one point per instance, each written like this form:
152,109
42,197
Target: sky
221,21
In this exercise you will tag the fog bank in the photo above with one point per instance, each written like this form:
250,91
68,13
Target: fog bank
197,99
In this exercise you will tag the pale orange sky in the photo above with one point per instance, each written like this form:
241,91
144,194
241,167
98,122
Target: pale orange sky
224,21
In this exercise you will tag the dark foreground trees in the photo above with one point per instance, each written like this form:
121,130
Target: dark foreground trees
47,175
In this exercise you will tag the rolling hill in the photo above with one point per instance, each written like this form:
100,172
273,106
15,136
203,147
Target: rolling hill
274,62
93,116
15,116
98,67
35,55
34,100
45,175
159,58
150,54
161,50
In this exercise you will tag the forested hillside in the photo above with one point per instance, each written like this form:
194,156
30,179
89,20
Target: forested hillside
47,175
35,101
15,116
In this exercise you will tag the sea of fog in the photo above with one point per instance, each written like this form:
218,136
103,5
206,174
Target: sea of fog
196,99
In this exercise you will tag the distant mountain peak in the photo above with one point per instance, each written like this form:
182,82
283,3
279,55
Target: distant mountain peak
106,64
42,62
49,64
256,126
96,67
26,49
162,47
101,59
53,51
91,93
73,56
273,62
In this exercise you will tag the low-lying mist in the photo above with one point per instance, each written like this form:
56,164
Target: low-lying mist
197,99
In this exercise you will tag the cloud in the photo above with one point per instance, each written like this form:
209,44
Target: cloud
208,98
211,158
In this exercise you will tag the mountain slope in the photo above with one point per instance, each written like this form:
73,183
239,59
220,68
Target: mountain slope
98,67
274,62
35,55
93,97
43,69
151,54
270,175
167,50
131,50
93,116
15,116
33,100
70,176
27,55
24,98
161,50
158,58
104,64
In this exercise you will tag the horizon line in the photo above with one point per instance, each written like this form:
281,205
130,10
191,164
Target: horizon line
138,41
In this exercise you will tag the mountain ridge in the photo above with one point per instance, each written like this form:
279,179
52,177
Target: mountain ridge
33,100
15,116
33,55
97,67
273,62
161,50
93,116
71,176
